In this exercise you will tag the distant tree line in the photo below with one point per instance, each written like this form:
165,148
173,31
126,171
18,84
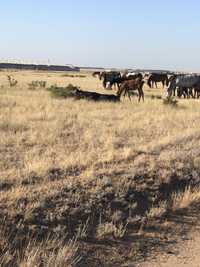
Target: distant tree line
37,67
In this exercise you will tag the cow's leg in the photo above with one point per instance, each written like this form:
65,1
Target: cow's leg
174,90
180,92
118,86
110,84
142,95
192,93
104,83
125,92
197,93
185,90
129,95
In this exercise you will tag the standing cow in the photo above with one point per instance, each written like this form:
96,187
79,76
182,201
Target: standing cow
184,85
155,78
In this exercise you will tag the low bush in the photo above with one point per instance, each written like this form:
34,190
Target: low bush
63,92
37,84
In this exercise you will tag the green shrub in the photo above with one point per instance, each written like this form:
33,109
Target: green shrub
63,92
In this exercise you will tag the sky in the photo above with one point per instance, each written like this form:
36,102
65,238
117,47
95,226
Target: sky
152,34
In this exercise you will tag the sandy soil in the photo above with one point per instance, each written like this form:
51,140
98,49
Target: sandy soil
187,254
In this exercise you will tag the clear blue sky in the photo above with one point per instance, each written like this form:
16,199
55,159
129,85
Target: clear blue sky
111,33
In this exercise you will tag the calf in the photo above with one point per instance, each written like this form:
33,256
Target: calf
132,85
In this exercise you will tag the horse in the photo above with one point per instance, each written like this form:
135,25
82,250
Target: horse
154,78
185,84
129,86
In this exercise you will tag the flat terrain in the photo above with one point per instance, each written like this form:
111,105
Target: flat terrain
188,256
103,175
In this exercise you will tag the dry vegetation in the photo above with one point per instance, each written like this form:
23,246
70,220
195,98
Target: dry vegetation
99,174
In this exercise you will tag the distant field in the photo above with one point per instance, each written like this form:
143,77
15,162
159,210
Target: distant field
100,174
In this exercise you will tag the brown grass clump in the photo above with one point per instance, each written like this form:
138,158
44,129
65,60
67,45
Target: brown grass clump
158,211
106,230
171,101
185,199
36,85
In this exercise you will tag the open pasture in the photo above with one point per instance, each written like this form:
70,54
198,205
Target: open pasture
100,174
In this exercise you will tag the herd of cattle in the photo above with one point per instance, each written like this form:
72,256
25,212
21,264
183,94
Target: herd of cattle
186,85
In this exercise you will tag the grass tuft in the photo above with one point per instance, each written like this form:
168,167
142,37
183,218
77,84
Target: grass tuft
170,101
186,198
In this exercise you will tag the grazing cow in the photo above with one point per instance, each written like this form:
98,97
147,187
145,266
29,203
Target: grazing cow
129,86
154,78
185,84
109,77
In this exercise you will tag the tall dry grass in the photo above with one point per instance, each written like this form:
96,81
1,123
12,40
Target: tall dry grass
84,142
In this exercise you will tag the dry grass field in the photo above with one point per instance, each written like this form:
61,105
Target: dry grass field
92,184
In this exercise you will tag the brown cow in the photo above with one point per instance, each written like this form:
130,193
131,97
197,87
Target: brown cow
132,85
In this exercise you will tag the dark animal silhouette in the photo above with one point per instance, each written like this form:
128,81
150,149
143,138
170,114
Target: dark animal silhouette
123,78
96,96
155,78
96,74
184,85
129,86
109,77
197,90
